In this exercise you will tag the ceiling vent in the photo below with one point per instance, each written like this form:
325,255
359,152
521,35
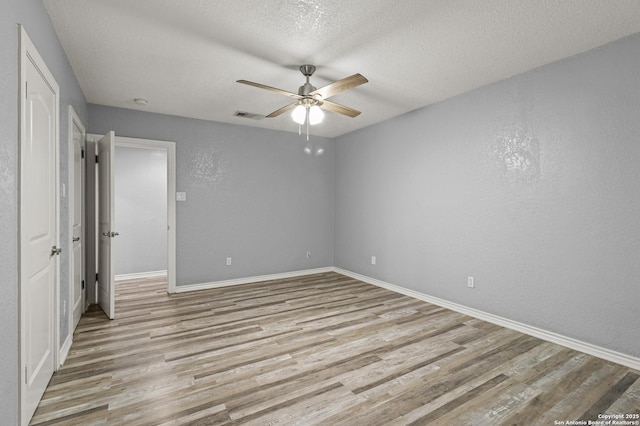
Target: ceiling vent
251,115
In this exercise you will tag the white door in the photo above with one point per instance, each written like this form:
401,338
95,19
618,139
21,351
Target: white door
106,293
77,217
39,253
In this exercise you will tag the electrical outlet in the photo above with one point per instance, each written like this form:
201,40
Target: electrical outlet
228,261
471,282
373,260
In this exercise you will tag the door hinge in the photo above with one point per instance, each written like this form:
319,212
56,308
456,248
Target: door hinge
83,284
96,276
96,159
82,153
26,377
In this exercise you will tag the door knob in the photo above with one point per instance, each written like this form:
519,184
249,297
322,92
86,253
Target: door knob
55,251
106,234
114,234
76,239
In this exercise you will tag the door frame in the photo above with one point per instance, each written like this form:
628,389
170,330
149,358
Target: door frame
74,120
28,52
170,149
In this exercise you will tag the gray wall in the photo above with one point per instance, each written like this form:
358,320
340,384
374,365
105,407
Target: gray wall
8,211
140,210
32,15
530,185
252,195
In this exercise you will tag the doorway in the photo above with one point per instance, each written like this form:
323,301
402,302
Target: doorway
140,250
166,150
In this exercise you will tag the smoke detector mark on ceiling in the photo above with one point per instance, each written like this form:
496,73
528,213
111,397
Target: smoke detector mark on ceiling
251,115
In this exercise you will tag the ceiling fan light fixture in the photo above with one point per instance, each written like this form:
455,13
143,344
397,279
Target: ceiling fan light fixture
315,115
299,114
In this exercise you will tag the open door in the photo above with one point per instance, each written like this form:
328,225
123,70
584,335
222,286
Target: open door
106,286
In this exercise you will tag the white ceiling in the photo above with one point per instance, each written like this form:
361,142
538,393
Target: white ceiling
184,56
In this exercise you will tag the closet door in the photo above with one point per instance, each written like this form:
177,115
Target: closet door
39,219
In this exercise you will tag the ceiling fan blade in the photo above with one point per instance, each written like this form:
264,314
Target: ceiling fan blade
340,109
339,86
272,89
282,110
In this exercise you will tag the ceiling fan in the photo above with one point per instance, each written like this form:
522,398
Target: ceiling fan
310,101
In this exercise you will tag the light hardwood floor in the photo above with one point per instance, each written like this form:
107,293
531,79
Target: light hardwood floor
320,349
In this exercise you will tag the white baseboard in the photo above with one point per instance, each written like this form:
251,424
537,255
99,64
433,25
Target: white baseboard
249,280
578,345
139,275
64,350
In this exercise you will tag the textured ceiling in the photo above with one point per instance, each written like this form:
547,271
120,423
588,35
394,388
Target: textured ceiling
184,56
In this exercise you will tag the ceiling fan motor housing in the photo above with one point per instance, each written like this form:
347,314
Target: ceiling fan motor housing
305,89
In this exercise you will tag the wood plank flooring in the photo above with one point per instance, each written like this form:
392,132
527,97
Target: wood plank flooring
321,349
